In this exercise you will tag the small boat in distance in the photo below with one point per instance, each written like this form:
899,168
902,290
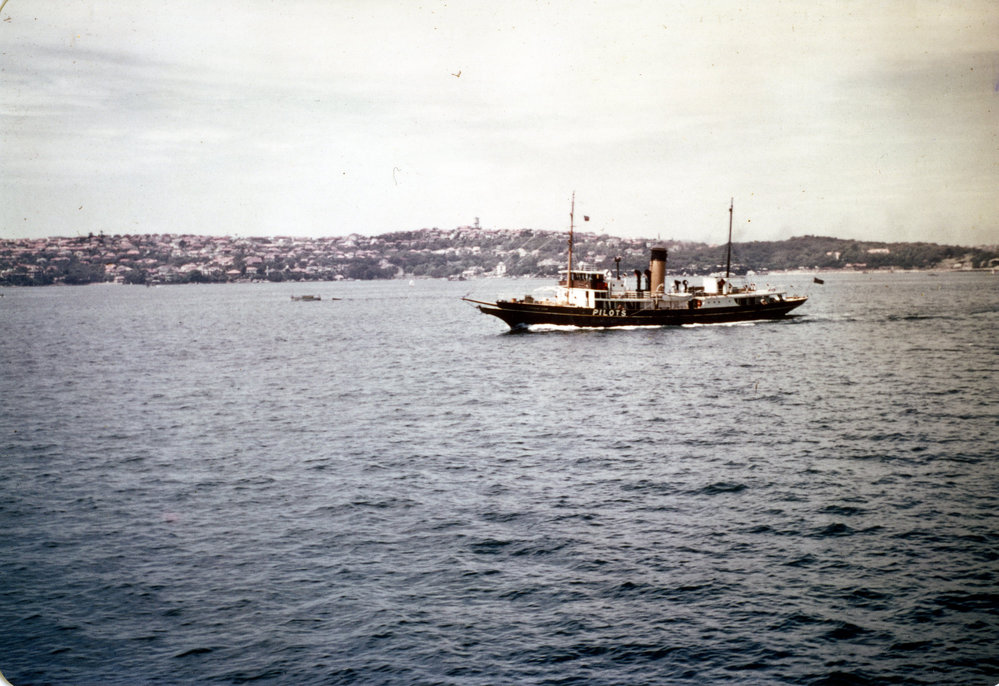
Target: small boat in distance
596,299
306,298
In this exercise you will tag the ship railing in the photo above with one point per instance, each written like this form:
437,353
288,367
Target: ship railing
627,295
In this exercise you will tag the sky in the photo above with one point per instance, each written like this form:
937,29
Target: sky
859,120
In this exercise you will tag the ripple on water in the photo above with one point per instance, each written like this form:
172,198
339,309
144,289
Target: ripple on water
207,485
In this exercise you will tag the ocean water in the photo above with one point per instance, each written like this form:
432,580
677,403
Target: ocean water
216,484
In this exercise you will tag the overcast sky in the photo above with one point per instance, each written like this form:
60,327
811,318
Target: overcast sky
871,120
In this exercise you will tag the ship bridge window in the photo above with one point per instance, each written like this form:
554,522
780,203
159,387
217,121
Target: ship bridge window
594,280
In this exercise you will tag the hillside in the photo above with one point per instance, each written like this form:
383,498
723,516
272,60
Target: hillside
436,253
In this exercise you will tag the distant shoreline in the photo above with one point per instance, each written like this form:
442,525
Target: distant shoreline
461,253
409,277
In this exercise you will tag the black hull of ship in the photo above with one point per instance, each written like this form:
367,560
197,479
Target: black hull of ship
520,315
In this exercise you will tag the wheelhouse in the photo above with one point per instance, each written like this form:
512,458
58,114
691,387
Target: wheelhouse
596,281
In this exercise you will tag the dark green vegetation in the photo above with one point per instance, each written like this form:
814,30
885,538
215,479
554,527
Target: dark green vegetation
436,253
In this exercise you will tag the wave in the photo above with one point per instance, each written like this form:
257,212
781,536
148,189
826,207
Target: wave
720,487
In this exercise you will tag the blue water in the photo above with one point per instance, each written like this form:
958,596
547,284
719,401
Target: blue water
215,484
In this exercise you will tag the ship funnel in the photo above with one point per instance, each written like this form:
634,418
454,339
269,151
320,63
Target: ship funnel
657,265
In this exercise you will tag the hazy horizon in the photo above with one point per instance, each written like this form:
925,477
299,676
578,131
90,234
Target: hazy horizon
315,119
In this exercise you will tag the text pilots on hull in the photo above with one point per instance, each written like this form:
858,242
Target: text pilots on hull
596,299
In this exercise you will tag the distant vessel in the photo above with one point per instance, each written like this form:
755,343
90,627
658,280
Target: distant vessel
595,299
306,298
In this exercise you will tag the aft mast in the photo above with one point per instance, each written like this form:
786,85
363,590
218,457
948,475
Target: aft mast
568,274
728,260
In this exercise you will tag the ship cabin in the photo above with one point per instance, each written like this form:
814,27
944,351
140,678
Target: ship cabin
596,281
586,287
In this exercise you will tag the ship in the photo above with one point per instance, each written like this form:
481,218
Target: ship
598,299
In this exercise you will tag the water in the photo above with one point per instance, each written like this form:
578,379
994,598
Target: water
215,484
